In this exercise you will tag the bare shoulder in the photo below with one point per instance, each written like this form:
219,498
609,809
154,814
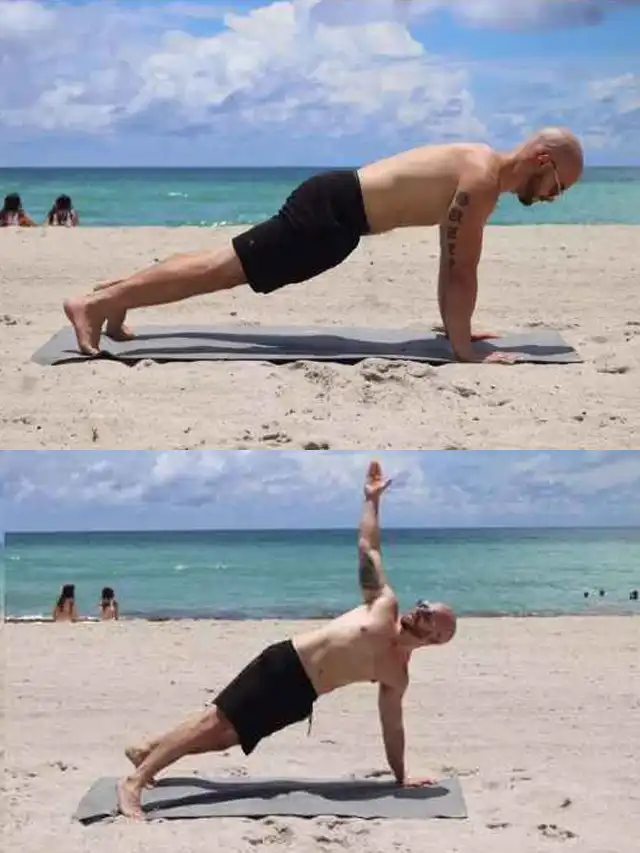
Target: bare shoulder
480,168
384,608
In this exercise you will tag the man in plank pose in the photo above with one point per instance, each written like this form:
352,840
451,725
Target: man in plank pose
371,643
453,186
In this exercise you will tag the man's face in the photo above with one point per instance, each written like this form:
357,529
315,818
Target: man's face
543,185
427,625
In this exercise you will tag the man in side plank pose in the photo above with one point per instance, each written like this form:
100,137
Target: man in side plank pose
371,643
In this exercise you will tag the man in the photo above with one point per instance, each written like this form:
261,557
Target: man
321,223
372,643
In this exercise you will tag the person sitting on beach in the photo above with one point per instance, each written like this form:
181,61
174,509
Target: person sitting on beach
62,213
65,608
108,605
321,223
13,214
371,643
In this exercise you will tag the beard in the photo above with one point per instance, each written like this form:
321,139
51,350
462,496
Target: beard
407,623
528,195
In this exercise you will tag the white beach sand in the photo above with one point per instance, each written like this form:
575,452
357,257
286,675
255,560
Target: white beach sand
581,280
539,717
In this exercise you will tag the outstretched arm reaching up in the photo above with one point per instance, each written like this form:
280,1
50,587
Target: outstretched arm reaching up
371,575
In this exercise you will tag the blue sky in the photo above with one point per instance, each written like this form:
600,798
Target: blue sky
83,490
311,82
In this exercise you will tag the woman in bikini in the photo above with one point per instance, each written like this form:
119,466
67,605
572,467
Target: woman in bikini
108,605
62,214
12,213
65,607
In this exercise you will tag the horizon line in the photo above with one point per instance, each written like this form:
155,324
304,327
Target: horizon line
256,166
323,529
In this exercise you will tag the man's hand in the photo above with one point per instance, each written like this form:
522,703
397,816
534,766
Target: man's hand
418,783
495,357
475,336
375,484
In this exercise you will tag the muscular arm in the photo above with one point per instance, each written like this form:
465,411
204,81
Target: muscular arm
370,572
391,721
461,238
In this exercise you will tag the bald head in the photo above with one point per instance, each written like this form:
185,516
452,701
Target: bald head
446,622
563,147
429,624
546,164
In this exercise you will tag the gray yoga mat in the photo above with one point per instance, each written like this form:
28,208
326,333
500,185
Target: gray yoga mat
194,797
281,345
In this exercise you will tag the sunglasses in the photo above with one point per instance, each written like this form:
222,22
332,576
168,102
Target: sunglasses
560,187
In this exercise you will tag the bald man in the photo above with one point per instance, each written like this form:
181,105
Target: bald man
455,187
372,643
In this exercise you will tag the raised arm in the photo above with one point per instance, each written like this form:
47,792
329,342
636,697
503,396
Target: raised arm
461,237
371,575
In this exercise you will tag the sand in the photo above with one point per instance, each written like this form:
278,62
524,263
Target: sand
538,717
581,280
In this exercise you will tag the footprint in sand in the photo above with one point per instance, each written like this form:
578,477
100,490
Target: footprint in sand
612,366
375,774
237,771
380,370
327,839
551,830
277,437
280,832
519,777
462,772
8,320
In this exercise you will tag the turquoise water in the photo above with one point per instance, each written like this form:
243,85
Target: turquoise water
312,573
206,197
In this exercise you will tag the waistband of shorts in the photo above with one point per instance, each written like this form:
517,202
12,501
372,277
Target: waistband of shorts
347,199
294,658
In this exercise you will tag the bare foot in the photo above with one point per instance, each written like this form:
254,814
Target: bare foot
136,755
475,336
129,799
118,330
87,324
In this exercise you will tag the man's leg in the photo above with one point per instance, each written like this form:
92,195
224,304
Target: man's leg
208,732
137,753
177,278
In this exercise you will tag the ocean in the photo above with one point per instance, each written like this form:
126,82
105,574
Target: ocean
212,197
312,573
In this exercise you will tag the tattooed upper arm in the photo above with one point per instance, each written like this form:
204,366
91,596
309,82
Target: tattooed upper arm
370,573
463,229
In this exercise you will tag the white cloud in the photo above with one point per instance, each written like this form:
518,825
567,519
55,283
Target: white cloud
610,472
108,66
24,19
462,488
508,14
308,69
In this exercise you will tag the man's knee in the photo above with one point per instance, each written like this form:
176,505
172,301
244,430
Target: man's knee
227,268
220,731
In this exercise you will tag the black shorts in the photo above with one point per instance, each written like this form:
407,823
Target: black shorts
271,693
319,225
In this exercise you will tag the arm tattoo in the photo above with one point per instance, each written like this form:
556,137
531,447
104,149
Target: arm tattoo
368,573
456,215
